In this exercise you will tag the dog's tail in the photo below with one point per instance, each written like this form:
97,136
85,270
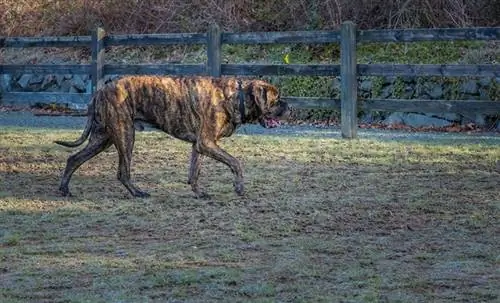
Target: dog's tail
88,127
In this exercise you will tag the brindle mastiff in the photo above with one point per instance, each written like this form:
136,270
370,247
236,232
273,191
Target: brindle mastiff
199,110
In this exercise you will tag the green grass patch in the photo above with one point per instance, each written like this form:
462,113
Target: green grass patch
323,220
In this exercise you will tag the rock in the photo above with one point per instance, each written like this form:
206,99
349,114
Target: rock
418,120
389,79
89,87
23,82
408,92
53,89
480,120
367,118
395,118
361,94
446,116
79,84
336,83
408,79
65,86
59,79
469,87
435,91
49,80
419,90
5,82
477,119
485,82
77,106
386,92
484,94
36,79
366,85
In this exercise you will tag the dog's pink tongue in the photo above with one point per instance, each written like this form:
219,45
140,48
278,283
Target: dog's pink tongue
270,123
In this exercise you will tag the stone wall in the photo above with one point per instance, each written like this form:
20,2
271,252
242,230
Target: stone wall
433,88
369,87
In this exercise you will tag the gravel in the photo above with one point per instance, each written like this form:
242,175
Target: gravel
23,119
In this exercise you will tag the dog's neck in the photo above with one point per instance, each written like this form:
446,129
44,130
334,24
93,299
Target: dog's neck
241,101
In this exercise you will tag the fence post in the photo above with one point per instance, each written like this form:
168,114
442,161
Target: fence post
214,44
349,84
97,48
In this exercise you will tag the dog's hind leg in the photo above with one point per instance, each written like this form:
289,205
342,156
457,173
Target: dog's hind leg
124,142
98,142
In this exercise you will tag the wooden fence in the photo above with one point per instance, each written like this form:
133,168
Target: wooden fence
348,69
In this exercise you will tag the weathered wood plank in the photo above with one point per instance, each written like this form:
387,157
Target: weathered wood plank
97,49
396,35
30,98
214,53
281,69
71,41
312,102
156,39
155,69
429,34
431,106
45,69
282,37
448,70
349,84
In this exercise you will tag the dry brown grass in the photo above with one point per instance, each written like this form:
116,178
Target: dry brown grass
48,17
324,220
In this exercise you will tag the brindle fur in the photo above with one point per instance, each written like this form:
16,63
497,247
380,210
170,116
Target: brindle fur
199,110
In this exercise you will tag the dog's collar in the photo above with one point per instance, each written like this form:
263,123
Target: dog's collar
241,101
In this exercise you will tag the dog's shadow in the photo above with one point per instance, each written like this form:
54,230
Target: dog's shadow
43,185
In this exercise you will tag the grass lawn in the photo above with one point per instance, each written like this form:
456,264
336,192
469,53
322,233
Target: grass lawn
323,220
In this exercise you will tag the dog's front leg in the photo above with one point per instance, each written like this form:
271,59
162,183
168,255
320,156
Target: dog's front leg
194,173
212,150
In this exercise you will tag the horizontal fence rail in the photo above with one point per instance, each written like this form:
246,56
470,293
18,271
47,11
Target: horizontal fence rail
28,98
280,69
281,37
413,70
155,39
426,34
348,70
154,69
445,70
431,106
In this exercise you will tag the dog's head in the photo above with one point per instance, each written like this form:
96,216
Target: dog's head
264,104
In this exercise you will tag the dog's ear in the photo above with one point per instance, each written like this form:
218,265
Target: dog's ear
272,93
265,94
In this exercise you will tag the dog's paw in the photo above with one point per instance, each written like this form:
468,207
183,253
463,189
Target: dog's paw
141,194
65,192
239,188
202,195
